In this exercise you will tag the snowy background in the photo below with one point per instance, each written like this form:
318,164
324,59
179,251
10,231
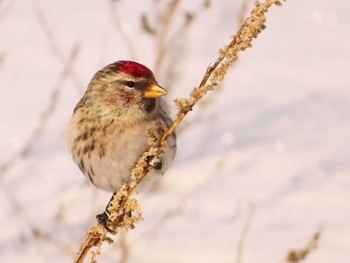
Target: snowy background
269,150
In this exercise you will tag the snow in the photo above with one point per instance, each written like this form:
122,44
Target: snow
271,145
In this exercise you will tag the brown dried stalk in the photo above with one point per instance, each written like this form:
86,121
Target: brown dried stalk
297,255
250,29
244,233
120,206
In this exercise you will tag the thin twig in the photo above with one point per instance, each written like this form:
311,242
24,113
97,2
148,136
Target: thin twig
203,103
297,255
94,239
244,233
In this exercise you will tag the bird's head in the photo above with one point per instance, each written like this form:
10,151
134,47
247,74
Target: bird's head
127,87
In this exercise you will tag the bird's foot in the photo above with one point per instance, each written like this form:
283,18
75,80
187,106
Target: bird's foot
156,165
104,220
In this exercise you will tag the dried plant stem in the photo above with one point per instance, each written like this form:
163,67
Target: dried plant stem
297,255
94,238
166,19
244,233
120,206
227,56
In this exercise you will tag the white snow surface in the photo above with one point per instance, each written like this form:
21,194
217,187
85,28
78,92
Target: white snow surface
271,145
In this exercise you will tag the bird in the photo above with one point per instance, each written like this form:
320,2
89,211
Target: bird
107,130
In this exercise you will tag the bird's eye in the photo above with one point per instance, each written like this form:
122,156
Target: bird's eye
131,84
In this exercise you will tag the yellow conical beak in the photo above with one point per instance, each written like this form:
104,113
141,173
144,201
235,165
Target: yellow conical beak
154,91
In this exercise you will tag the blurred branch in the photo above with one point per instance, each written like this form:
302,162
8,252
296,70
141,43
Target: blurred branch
169,47
173,48
297,255
200,118
244,233
165,20
123,212
121,29
55,93
56,49
2,58
124,249
45,115
215,73
35,230
4,10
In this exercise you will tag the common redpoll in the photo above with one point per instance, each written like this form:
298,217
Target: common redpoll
107,133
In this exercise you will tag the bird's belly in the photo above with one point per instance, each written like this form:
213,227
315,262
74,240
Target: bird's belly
113,168
108,160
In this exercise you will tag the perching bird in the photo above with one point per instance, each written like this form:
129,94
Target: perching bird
107,133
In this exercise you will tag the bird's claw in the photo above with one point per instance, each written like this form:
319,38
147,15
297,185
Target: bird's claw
155,165
103,220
